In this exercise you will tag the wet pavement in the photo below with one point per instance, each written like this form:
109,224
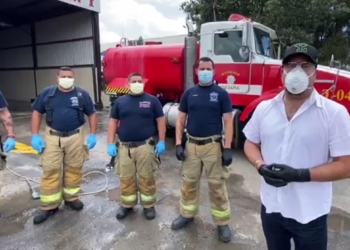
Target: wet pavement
96,227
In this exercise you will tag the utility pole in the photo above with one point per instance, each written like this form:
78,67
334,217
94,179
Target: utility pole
214,9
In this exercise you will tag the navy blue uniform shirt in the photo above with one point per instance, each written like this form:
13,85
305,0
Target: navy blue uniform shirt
65,108
204,106
3,102
137,116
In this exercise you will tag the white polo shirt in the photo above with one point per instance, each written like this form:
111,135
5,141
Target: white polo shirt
319,130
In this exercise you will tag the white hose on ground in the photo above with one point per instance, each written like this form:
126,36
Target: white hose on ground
104,189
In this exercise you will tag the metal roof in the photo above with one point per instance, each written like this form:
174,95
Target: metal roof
19,12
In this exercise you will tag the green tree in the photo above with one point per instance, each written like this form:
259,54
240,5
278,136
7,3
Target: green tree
322,23
140,41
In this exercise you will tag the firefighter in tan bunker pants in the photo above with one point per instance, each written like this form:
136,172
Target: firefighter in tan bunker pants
205,105
10,143
63,152
139,115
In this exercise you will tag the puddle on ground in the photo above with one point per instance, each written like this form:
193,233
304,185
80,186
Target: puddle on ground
18,204
111,195
15,213
235,179
12,225
338,223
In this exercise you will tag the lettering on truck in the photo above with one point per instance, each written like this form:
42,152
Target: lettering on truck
339,95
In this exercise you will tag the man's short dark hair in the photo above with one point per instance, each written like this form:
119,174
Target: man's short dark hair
205,59
65,69
134,74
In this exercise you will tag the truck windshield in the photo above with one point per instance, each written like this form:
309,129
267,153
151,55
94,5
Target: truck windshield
229,45
263,43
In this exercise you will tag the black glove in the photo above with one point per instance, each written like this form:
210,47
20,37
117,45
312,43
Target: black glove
287,173
226,157
271,180
180,153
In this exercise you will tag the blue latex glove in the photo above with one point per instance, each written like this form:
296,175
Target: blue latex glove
9,145
91,141
112,150
38,143
160,148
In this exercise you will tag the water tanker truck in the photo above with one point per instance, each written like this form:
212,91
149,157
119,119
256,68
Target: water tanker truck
247,65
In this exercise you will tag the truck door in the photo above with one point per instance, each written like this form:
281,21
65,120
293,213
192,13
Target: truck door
232,69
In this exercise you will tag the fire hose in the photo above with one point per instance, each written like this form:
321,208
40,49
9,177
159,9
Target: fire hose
36,195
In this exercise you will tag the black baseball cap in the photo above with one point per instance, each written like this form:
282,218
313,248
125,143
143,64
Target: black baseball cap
301,48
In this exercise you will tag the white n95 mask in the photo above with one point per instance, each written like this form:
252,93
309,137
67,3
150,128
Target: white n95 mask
297,81
137,87
66,83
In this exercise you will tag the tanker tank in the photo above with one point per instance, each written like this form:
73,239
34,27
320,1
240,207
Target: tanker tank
161,65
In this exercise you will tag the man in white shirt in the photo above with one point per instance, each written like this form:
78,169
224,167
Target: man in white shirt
299,142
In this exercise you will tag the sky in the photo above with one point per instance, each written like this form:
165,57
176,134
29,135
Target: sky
135,18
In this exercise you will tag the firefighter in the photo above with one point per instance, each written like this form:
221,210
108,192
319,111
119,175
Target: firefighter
10,142
65,106
139,115
204,105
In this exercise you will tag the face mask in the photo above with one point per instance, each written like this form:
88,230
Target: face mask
137,87
297,81
66,83
205,76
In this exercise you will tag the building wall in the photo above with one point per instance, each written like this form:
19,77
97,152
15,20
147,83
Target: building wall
64,41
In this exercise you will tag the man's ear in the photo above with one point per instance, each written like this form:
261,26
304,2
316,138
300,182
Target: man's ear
196,72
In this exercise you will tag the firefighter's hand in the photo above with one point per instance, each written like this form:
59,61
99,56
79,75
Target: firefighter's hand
264,171
38,143
9,145
287,173
112,150
91,141
160,148
226,157
180,153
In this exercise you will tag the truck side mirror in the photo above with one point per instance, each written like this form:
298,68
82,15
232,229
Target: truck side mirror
245,35
279,52
244,52
223,34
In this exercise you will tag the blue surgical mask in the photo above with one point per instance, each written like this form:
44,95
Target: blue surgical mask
205,76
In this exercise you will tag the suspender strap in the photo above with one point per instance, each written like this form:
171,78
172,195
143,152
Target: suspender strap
48,105
80,104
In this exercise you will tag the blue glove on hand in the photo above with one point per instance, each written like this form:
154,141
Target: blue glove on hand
38,143
91,141
112,150
9,145
160,148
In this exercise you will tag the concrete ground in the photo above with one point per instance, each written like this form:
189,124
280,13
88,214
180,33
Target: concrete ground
96,228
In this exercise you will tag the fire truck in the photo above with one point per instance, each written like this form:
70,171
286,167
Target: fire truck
247,65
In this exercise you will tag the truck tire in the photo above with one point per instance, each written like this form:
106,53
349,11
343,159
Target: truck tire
238,141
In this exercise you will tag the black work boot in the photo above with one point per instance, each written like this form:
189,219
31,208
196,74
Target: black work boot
180,222
123,212
225,234
150,213
75,205
43,215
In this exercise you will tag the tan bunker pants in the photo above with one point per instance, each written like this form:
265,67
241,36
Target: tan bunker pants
62,155
207,157
136,168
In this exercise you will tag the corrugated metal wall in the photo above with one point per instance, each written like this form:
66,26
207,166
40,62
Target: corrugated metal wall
62,41
16,63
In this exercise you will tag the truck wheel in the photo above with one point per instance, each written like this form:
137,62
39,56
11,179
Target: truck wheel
238,141
170,132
